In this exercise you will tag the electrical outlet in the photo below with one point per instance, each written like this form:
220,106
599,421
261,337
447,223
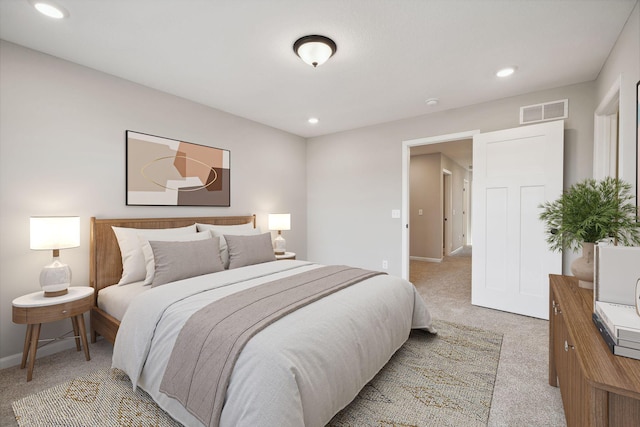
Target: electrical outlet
385,264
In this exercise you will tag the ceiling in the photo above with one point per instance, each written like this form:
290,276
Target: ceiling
460,151
237,56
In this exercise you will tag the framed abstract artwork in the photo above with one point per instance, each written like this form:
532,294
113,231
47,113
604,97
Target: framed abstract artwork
168,172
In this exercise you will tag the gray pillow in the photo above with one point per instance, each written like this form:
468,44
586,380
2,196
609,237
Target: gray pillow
181,260
249,250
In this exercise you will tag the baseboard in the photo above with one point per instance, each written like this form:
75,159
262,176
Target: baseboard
46,350
419,258
453,252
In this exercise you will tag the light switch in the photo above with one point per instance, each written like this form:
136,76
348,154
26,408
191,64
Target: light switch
419,211
395,213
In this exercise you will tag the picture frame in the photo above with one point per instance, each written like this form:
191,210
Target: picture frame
168,172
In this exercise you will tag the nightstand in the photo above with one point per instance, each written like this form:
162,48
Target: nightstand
35,309
286,255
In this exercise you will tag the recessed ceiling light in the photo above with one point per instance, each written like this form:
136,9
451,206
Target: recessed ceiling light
313,120
50,9
506,72
432,101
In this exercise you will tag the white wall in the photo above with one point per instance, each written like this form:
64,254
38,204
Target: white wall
624,62
62,152
354,177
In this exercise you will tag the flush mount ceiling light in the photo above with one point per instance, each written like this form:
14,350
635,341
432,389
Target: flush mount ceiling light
432,101
314,50
313,120
506,72
50,9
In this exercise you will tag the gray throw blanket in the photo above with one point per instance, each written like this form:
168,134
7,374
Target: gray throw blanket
211,340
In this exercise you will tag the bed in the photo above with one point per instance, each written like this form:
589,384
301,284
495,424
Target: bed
300,369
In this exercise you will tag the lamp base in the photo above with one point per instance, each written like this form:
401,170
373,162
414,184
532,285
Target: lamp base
56,293
279,245
55,278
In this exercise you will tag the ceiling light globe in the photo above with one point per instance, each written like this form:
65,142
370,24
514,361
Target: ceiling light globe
313,120
314,50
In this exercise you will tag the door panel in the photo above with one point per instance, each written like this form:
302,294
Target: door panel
515,170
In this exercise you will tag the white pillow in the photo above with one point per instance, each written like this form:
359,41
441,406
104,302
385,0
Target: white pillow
232,230
147,252
133,266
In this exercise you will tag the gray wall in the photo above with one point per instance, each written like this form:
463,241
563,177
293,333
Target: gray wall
62,152
354,178
425,192
425,185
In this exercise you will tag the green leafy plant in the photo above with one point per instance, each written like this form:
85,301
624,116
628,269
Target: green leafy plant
591,211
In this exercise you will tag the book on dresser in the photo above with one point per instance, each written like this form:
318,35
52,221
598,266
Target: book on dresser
619,347
622,320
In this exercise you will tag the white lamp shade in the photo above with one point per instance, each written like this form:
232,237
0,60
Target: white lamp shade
54,232
279,222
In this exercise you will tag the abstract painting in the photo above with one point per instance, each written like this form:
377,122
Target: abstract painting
168,172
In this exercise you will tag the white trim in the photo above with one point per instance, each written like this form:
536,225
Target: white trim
406,157
605,133
419,258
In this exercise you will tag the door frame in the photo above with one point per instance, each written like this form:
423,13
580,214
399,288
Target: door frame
465,212
605,135
447,194
406,158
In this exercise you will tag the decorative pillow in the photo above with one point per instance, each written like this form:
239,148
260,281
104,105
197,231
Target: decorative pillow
181,260
148,252
231,230
133,266
249,250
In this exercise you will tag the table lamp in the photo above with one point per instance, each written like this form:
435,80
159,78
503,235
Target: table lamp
279,222
55,233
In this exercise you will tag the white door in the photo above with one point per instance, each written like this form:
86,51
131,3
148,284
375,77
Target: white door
514,171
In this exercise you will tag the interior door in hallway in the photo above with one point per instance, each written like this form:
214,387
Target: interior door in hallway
515,170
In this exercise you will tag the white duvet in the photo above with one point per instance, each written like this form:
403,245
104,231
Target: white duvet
299,371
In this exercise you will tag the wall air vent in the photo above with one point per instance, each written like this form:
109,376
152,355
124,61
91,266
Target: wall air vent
553,110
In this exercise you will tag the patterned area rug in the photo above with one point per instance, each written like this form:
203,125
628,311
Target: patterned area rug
444,380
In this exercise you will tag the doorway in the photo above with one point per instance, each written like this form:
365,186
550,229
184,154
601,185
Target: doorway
406,165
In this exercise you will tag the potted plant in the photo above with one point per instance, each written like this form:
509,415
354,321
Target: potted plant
588,212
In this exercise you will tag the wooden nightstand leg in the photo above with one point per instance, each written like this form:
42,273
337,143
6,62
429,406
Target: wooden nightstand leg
35,336
25,350
74,322
83,335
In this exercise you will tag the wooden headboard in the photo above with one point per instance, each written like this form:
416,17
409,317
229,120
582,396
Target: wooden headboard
105,261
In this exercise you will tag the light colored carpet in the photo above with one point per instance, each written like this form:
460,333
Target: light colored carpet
444,380
522,395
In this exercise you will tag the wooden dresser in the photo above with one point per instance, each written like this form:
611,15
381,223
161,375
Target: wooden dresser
597,388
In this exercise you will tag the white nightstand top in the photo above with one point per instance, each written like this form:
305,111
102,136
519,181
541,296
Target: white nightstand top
37,299
286,255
